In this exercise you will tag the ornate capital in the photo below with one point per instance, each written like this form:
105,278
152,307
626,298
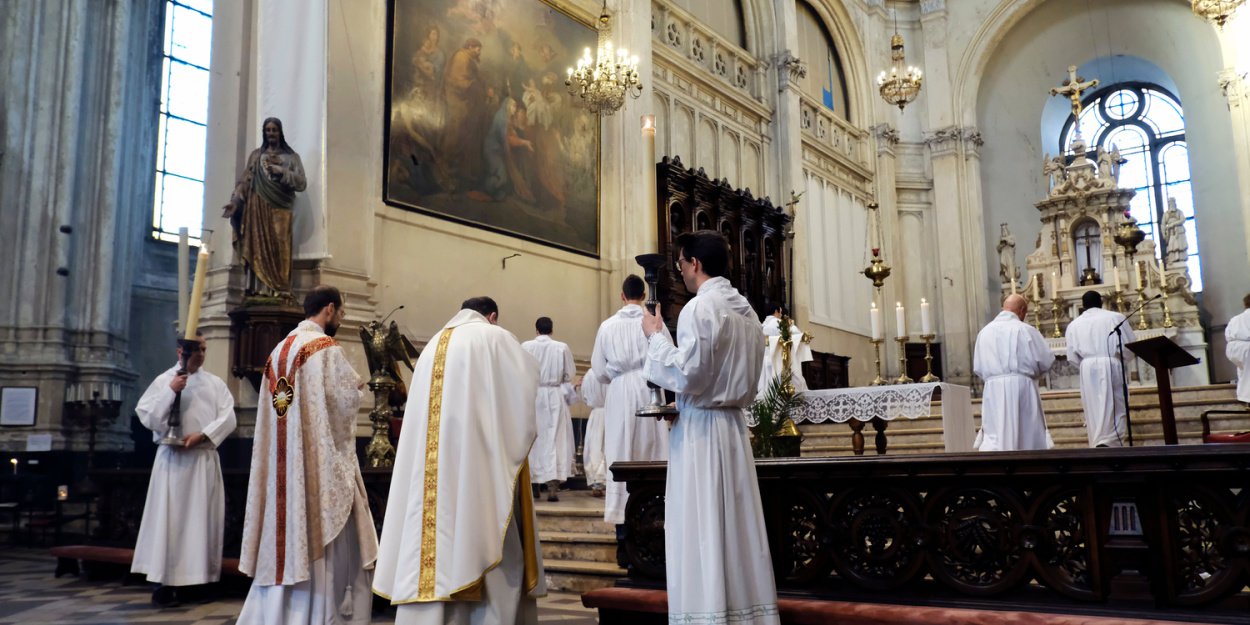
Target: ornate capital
1233,84
949,139
790,69
887,137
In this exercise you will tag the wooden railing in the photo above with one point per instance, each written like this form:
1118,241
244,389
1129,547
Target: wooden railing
1156,531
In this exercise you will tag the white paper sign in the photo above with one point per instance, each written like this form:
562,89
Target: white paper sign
17,405
38,442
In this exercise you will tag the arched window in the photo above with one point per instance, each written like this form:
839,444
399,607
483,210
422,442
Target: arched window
182,130
824,82
722,16
1147,124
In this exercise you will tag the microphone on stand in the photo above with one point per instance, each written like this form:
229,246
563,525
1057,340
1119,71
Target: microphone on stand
1119,337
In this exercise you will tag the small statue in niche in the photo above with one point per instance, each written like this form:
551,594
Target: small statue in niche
260,210
1174,235
1007,256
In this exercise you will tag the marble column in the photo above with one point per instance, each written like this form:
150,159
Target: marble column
79,82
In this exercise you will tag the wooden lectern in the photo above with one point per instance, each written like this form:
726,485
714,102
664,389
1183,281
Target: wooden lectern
1164,354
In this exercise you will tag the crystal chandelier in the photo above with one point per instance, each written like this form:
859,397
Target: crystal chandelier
602,82
899,87
1216,11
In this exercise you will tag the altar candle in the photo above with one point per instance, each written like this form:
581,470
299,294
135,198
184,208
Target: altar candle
875,316
900,317
1115,272
926,323
1054,285
197,292
1141,269
1160,272
1013,288
1037,287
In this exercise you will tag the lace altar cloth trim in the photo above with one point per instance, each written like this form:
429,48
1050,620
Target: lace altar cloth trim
865,403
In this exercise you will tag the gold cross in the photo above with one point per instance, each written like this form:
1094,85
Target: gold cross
1072,88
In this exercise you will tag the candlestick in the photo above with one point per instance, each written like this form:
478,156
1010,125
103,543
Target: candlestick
902,361
1142,323
1056,303
1167,310
1036,307
197,292
875,316
926,324
876,344
900,318
928,359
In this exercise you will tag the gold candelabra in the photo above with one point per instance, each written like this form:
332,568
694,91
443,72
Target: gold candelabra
1056,304
1142,324
902,361
1119,301
1035,306
1167,311
928,359
879,380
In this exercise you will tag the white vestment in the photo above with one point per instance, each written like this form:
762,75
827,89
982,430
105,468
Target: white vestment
460,541
184,519
1093,346
716,550
800,352
552,455
594,393
308,535
1237,336
1009,356
620,352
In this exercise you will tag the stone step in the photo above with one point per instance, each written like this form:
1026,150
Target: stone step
580,576
572,520
572,546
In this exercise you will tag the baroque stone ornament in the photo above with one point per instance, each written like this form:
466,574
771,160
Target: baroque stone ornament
790,69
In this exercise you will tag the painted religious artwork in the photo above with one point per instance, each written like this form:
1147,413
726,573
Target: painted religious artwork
480,127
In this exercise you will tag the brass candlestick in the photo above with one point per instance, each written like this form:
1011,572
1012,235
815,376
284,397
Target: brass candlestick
1142,324
1119,301
1035,306
928,359
879,380
902,362
1167,311
1056,304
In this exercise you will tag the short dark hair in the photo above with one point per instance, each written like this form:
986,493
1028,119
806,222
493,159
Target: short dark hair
544,325
482,304
1091,299
1245,301
319,297
633,287
709,246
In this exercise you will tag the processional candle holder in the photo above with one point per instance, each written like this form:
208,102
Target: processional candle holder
928,359
902,361
651,265
187,349
90,412
879,380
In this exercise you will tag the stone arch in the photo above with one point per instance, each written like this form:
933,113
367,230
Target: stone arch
851,50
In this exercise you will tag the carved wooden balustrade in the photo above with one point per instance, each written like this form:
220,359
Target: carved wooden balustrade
1053,531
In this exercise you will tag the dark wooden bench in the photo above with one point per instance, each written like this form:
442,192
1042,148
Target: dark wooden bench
633,606
69,556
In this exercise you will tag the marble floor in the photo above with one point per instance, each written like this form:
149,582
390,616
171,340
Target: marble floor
30,594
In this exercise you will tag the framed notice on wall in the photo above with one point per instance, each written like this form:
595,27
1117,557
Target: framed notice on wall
17,405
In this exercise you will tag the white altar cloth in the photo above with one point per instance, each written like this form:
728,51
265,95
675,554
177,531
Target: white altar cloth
896,401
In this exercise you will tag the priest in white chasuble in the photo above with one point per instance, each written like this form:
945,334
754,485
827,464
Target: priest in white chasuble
308,538
180,538
1093,346
619,355
717,560
1237,349
460,539
551,459
594,393
800,352
1009,356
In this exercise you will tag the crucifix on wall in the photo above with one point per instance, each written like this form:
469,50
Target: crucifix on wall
1088,239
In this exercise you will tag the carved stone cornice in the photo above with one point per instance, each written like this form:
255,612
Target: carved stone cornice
929,7
887,137
790,69
947,140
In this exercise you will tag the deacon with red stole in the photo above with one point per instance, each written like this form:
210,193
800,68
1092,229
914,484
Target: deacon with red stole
308,536
460,540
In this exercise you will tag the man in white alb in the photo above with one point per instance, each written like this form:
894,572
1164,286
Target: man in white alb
1237,337
593,393
459,541
1009,356
551,459
800,352
620,352
180,538
717,560
308,537
1093,346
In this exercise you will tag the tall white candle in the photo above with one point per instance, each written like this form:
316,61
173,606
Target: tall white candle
184,262
1054,285
650,222
1037,287
1141,270
900,317
1013,286
875,316
1115,272
197,292
1160,272
926,324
